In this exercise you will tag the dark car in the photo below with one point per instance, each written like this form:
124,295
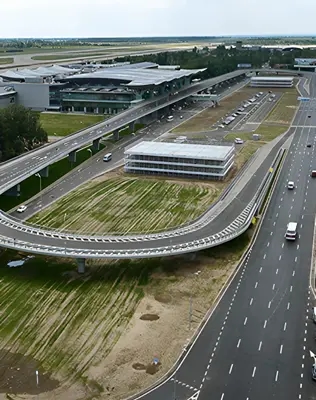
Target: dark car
309,116
314,372
309,145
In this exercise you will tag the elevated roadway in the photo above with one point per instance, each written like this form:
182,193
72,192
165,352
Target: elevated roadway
197,235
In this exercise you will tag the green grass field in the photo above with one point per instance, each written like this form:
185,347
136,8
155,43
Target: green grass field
6,60
128,204
65,124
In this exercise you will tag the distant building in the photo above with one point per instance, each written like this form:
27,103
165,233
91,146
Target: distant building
94,88
239,45
272,81
180,160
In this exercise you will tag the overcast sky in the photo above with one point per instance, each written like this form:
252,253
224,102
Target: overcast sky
119,18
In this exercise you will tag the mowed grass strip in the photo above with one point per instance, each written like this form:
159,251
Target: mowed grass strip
6,60
284,110
65,124
129,204
204,120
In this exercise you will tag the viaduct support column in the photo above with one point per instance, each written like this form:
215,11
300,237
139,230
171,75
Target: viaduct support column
44,172
81,265
96,145
116,135
132,126
15,191
72,156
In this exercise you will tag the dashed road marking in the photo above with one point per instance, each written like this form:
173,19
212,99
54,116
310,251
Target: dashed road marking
238,344
254,371
260,344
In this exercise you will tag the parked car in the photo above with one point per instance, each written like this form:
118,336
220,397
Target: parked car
239,141
21,209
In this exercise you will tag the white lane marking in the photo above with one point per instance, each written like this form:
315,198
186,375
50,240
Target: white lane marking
277,214
245,321
251,300
282,245
260,269
280,256
271,233
277,270
265,324
256,285
230,369
273,225
288,306
281,348
269,305
268,244
276,376
297,247
295,259
222,396
254,371
273,286
293,273
238,344
260,344
291,288
264,256
284,327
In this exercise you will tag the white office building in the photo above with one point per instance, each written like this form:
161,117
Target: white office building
178,159
272,81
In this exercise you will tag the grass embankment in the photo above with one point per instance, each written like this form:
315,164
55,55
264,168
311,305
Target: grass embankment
277,121
48,57
129,204
6,60
69,325
207,118
65,124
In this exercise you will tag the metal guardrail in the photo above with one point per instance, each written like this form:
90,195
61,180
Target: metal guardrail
234,229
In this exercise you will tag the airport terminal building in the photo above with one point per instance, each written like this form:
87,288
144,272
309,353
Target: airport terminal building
93,88
180,160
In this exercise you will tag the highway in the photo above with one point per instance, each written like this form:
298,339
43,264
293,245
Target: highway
256,344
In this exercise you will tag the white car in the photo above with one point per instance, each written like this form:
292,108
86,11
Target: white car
290,185
239,141
221,126
181,116
21,209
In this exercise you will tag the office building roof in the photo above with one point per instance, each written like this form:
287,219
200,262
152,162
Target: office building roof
181,150
273,78
38,72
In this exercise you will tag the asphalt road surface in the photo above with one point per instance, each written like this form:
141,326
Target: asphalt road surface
256,344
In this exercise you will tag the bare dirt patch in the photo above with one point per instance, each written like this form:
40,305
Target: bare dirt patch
149,317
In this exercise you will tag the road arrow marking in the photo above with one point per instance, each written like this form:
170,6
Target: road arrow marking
312,354
195,396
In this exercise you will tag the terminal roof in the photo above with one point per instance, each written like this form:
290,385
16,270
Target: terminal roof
181,150
135,77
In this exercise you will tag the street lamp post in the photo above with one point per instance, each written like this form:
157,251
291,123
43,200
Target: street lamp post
40,180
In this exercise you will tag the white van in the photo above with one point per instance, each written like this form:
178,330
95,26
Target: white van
291,231
107,157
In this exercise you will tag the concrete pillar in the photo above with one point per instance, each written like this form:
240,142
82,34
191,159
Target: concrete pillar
73,109
84,109
15,191
116,135
132,126
81,265
96,145
44,172
72,157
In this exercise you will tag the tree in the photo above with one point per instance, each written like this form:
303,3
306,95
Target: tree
20,131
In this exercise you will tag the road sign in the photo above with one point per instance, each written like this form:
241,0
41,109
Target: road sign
303,98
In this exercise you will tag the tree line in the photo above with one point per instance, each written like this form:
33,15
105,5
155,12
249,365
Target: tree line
222,60
20,131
